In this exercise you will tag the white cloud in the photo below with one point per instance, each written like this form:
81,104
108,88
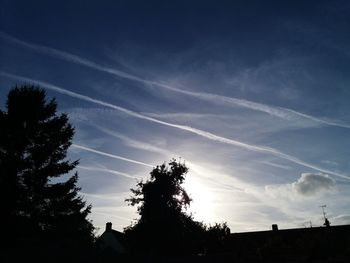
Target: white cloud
308,185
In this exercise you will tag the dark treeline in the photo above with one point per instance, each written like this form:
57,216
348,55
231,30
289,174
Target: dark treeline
44,218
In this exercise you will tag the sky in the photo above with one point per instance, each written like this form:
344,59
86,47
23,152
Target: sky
252,95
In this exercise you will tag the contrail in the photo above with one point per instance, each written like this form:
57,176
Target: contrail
202,133
72,58
135,143
279,112
97,169
140,116
110,155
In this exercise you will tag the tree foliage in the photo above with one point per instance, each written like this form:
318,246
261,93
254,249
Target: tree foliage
164,227
34,140
162,196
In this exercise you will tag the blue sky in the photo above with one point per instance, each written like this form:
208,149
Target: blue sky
253,95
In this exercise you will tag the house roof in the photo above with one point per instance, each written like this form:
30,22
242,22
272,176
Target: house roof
112,239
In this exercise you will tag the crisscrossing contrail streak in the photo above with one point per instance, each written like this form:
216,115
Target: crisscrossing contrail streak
279,112
202,133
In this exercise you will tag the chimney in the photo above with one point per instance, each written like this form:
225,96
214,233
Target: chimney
108,226
274,227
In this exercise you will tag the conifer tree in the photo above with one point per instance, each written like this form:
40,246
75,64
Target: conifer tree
34,140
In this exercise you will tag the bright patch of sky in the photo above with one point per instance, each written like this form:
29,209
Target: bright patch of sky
253,95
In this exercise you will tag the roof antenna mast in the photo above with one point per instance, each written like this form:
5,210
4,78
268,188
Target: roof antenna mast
326,221
324,213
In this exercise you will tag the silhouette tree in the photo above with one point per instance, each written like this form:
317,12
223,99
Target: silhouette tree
34,141
162,196
216,237
164,227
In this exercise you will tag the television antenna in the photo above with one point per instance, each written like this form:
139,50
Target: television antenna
324,213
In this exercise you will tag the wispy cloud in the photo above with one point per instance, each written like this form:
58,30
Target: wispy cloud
225,182
280,112
276,165
135,143
185,115
115,196
69,57
202,133
97,169
109,214
110,155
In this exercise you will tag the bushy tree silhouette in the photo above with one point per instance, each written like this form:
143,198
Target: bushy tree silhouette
164,227
34,141
162,196
216,238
